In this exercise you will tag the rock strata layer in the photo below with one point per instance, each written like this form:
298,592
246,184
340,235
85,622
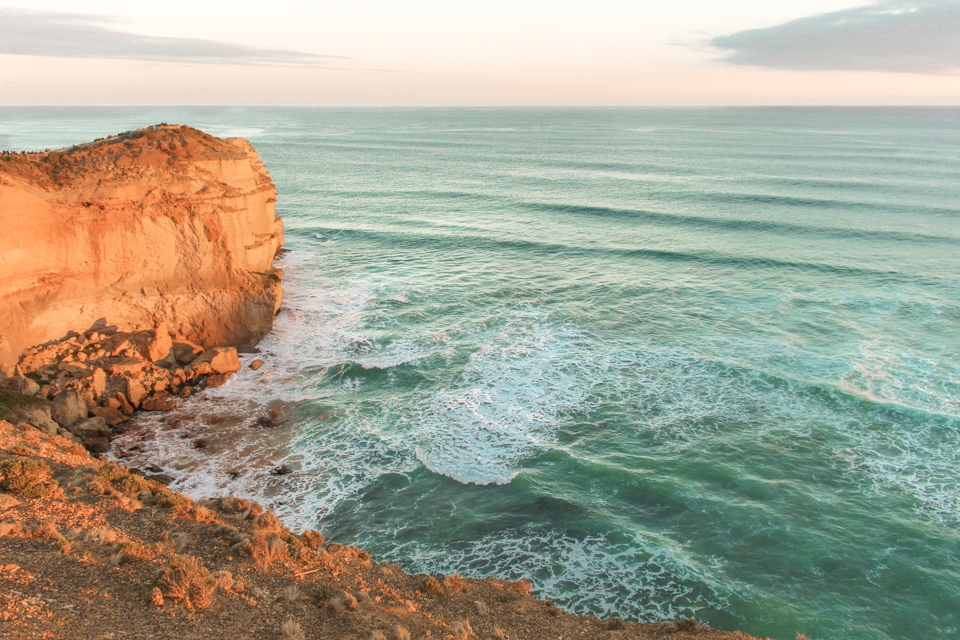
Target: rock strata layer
164,229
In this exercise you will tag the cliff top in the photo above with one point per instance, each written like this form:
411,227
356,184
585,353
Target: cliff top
167,146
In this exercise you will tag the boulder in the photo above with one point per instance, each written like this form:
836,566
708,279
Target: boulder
256,364
36,415
4,381
68,407
110,415
185,352
216,360
99,382
127,365
26,386
135,392
160,345
93,433
157,404
90,428
217,380
125,407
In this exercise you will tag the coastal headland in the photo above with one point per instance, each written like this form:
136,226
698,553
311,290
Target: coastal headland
134,269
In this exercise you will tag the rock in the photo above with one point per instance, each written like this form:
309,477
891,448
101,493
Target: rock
217,360
90,428
113,403
99,382
217,380
127,365
110,415
135,392
256,364
162,478
282,470
67,407
36,415
185,392
156,404
26,386
160,345
152,468
185,352
93,433
125,407
97,445
4,381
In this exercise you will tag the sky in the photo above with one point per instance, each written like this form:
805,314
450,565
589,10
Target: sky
432,52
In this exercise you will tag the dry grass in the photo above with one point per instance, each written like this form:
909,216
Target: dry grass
267,549
312,539
482,608
291,593
462,630
7,502
187,580
290,630
401,632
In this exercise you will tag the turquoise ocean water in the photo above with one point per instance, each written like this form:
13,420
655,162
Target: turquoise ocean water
662,362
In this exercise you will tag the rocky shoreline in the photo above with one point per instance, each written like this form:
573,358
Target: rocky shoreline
94,381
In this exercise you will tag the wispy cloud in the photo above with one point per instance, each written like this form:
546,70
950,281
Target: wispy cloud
74,35
916,37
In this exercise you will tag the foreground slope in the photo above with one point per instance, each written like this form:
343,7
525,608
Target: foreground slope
90,550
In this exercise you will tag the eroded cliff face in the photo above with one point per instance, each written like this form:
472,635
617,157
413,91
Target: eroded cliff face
166,224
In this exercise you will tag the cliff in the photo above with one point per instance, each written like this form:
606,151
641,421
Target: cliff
161,225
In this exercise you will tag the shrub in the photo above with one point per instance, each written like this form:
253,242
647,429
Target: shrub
28,478
401,632
187,580
313,539
431,586
455,583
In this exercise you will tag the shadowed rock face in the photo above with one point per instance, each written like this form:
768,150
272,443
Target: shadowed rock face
166,224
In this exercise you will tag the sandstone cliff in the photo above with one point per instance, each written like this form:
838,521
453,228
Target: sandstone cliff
162,225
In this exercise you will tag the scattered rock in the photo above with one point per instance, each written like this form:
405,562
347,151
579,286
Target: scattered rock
256,364
152,468
216,380
110,415
282,470
216,360
162,478
26,386
135,392
200,443
159,347
157,404
127,365
185,352
99,382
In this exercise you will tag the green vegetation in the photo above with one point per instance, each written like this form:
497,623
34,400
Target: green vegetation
11,400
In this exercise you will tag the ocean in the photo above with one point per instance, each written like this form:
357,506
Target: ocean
664,363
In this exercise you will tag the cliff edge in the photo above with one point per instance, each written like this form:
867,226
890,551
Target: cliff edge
161,225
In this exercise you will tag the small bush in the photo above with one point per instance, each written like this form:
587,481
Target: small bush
431,586
455,583
508,596
187,580
313,539
401,632
292,593
28,479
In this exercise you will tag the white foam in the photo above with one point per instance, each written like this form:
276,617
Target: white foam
513,394
614,574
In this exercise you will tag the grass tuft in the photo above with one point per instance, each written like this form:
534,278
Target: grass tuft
187,580
431,586
290,630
